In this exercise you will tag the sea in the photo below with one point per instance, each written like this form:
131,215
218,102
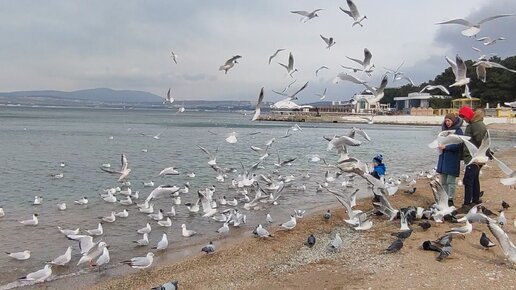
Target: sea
34,141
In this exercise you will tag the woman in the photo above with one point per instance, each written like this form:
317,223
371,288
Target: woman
449,158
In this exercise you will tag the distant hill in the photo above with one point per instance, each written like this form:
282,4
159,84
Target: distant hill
99,95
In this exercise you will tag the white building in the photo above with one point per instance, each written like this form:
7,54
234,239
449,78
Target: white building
415,100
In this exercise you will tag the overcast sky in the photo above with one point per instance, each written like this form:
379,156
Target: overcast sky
126,44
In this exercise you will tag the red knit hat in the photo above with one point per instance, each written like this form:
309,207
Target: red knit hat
467,113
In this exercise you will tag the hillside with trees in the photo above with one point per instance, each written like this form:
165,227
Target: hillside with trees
499,87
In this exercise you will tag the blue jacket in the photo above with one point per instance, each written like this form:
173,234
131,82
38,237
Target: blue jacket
379,170
449,159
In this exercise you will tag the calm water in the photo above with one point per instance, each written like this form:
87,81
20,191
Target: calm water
33,142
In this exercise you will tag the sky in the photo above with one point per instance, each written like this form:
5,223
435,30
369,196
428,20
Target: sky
126,44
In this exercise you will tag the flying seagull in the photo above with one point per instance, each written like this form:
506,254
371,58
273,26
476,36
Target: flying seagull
366,63
274,55
430,87
322,67
307,15
329,41
472,28
353,13
257,108
174,56
168,98
290,66
229,63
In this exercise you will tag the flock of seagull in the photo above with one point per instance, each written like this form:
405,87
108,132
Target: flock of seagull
252,191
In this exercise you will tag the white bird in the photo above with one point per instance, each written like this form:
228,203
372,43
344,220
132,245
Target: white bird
168,98
145,230
126,201
187,233
508,247
269,219
148,184
141,262
472,28
353,13
21,256
96,232
224,229
489,41
290,224
64,258
329,41
229,63
275,53
169,171
109,198
123,171
110,218
32,222
174,56
459,70
68,232
122,214
430,87
322,67
40,275
82,201
157,216
93,253
38,200
85,242
307,15
366,62
144,241
258,104
61,206
166,223
511,179
290,66
336,243
2,212
323,95
106,165
261,232
464,230
479,155
378,93
231,139
162,244
103,259
191,174
349,78
483,65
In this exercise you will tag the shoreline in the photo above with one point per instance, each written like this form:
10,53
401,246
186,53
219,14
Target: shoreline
283,262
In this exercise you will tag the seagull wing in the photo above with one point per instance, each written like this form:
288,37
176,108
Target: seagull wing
347,12
258,104
353,9
356,60
349,78
327,40
494,17
453,66
461,67
503,239
508,171
367,57
290,61
302,88
459,21
304,13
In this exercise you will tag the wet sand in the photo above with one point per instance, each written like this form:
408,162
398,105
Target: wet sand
284,262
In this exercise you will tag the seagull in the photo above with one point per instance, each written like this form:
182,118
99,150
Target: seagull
141,262
366,63
32,222
209,248
224,229
353,13
145,230
103,259
483,65
289,224
258,104
290,66
169,171
168,99
96,232
21,256
489,41
307,15
511,179
378,93
40,275
269,219
172,285
110,218
322,67
485,241
166,223
274,55
472,28
2,212
68,232
124,170
336,243
144,241
261,232
509,249
459,70
231,139
122,214
187,233
329,42
174,56
349,78
323,96
37,200
63,259
464,230
93,253
431,87
162,244
479,154
61,206
229,63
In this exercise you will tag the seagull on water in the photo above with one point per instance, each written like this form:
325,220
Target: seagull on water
32,222
40,275
21,256
141,262
162,244
63,259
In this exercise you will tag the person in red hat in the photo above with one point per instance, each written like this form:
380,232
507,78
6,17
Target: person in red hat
476,129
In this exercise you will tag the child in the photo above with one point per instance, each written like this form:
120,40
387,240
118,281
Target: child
378,167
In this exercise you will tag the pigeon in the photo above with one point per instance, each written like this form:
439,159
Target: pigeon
310,242
428,246
486,242
505,205
444,240
403,234
445,252
425,225
395,246
209,248
172,285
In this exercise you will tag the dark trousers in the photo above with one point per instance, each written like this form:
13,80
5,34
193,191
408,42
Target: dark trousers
471,184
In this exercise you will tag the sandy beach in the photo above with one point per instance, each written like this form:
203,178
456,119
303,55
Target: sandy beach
284,262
